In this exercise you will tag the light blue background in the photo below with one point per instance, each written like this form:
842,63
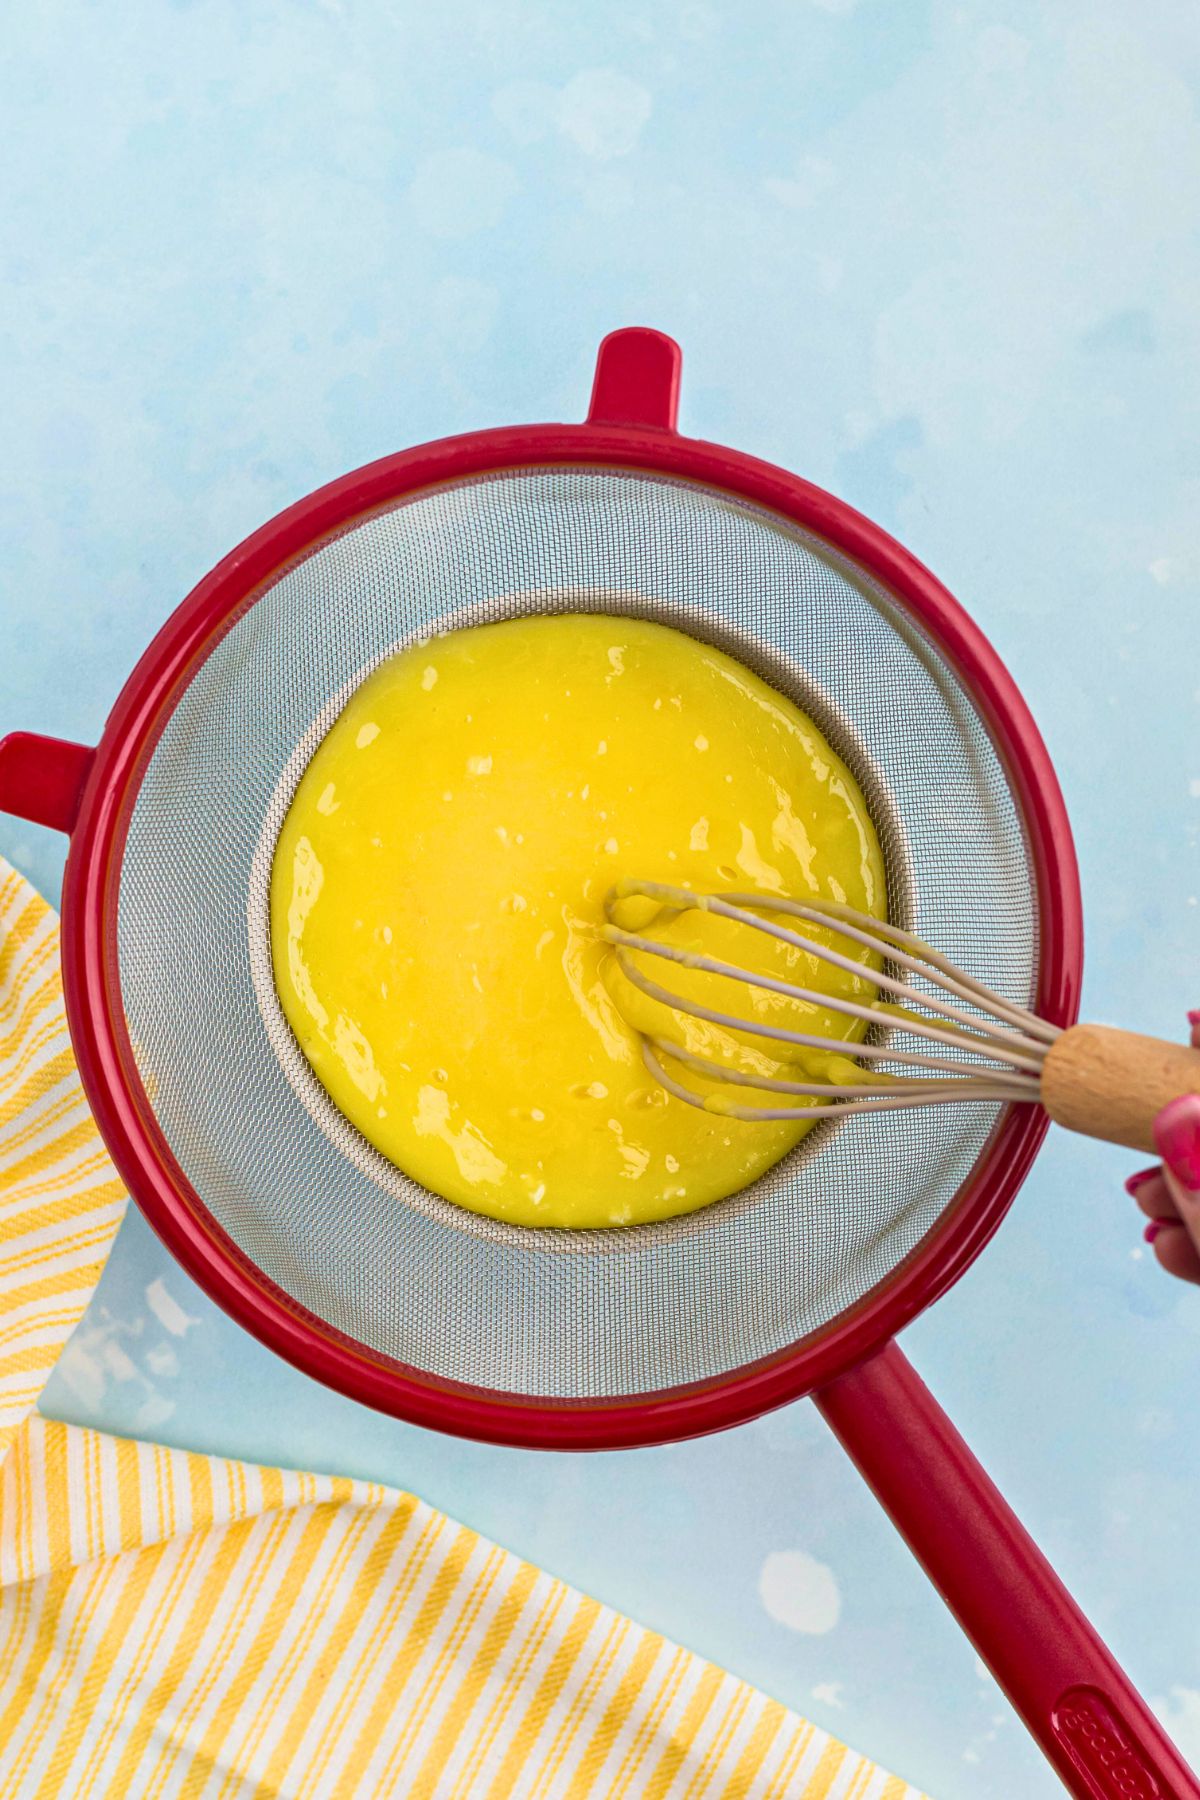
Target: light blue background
942,258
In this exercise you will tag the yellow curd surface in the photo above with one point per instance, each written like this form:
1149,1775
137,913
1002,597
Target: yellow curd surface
438,891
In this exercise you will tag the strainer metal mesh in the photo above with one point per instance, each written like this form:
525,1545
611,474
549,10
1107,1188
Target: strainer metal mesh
588,1315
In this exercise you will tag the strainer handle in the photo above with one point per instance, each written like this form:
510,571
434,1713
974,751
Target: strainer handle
637,379
1094,1727
42,778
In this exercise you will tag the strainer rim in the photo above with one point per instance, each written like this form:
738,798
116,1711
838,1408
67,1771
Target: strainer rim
105,1055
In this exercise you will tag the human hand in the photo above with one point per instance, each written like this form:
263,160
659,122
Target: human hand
1169,1192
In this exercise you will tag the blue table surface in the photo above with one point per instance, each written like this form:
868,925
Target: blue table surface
941,258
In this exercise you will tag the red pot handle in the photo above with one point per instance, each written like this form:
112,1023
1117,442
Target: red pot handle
42,778
1096,1730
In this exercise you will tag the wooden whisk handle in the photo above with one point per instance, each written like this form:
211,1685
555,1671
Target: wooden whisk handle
1111,1084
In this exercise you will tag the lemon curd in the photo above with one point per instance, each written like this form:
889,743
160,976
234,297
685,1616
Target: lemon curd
438,890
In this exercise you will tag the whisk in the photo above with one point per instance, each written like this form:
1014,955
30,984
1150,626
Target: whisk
1092,1079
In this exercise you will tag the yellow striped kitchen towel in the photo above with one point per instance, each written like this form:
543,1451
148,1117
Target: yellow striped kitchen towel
173,1624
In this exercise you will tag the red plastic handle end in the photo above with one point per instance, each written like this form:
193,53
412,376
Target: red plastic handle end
1098,1733
1105,1750
637,379
42,778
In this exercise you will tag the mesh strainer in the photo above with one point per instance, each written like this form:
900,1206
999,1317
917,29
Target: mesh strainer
552,1338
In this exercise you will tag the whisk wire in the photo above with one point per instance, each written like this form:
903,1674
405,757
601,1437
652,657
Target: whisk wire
1005,1042
981,1086
876,935
994,1045
780,1034
778,1114
928,963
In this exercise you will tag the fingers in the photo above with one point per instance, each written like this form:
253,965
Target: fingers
1151,1193
1169,1193
1174,1250
1177,1137
1174,1233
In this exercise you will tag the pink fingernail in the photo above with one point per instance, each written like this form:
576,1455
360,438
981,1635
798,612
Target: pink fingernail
1140,1179
1177,1135
1194,1018
1155,1226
